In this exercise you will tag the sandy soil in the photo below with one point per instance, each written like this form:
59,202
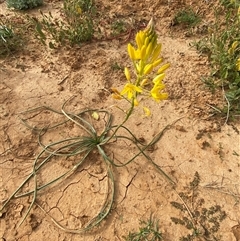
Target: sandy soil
199,141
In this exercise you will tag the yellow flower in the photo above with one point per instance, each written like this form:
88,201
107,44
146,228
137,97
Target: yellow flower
130,90
156,92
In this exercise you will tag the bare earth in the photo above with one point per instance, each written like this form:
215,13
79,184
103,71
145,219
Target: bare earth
199,141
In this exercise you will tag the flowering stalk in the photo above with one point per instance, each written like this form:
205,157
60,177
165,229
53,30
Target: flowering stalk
147,70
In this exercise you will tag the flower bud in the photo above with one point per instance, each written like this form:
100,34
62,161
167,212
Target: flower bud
143,52
163,68
131,52
127,73
140,39
147,69
156,52
144,82
157,62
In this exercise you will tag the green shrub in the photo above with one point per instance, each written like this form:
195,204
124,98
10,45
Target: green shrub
9,40
187,17
24,4
77,25
222,46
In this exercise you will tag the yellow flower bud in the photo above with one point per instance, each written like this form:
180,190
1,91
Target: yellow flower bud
139,39
163,68
156,52
131,52
143,51
127,73
144,82
146,42
135,102
149,50
147,69
150,26
157,62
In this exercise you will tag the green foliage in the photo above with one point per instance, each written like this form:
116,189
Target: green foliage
187,17
230,3
149,231
222,46
116,66
24,4
77,27
118,27
9,40
201,221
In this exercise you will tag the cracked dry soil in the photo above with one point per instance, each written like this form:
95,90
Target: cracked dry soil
199,141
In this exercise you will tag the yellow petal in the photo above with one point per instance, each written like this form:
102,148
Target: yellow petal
158,79
115,91
127,73
116,97
95,115
146,111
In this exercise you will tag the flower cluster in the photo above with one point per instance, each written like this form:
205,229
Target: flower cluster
148,73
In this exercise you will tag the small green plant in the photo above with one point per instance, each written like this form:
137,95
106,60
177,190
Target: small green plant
187,17
10,41
77,27
118,27
201,221
116,66
24,4
222,46
149,231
